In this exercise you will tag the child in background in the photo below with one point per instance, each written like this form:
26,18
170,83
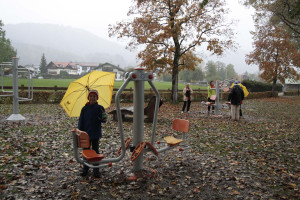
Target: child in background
91,117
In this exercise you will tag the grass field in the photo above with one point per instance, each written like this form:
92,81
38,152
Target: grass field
160,85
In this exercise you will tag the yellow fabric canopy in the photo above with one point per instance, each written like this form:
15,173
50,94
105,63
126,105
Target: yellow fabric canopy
76,95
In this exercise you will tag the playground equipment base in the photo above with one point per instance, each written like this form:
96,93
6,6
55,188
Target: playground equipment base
15,117
144,174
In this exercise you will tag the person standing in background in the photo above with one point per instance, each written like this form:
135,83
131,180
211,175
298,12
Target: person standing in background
245,94
235,97
187,96
211,90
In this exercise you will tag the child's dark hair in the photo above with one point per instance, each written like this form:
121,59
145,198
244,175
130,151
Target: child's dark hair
210,82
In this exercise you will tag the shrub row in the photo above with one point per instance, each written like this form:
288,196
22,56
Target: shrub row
126,97
291,93
256,86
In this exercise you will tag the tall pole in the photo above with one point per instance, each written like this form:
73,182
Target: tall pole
15,116
138,115
15,85
218,97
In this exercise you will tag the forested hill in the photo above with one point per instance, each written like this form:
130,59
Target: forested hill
64,43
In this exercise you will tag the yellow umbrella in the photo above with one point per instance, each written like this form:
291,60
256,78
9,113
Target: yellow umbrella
76,95
244,89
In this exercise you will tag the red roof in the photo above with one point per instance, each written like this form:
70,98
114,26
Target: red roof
61,64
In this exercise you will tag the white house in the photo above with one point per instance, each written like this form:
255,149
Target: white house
291,85
35,69
107,67
72,68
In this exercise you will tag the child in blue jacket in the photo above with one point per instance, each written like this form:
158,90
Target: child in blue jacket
90,121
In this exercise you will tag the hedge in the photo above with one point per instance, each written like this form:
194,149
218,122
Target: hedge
256,86
126,97
291,93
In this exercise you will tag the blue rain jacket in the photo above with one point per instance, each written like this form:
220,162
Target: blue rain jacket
90,120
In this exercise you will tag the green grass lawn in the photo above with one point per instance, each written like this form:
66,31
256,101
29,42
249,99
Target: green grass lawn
160,85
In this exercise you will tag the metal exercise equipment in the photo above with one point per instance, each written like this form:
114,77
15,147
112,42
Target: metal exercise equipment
139,77
15,93
138,146
220,87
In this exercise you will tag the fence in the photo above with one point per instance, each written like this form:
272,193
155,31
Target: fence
22,88
55,94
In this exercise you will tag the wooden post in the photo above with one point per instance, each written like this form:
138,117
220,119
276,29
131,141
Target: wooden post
22,88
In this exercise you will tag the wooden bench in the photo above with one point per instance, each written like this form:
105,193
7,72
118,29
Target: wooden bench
148,110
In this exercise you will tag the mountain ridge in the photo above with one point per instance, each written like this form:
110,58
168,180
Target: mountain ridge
64,43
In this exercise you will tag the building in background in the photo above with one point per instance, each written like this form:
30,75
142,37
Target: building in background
35,69
80,68
291,85
107,67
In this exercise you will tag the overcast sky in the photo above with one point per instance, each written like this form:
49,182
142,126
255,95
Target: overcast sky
96,15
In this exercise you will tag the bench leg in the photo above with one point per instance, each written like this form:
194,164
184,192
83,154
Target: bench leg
115,118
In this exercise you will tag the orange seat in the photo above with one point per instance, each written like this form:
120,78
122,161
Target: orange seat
84,142
180,125
91,155
213,97
209,103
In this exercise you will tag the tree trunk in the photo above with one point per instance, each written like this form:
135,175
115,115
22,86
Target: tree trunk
175,71
273,87
175,83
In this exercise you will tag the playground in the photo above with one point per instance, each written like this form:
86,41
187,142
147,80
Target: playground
255,158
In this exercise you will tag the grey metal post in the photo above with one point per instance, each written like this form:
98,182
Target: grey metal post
218,98
15,116
138,115
157,102
15,86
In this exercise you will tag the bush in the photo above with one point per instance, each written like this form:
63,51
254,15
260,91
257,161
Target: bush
42,97
291,93
256,86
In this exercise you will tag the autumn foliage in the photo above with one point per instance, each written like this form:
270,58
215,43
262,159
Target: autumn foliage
275,54
168,32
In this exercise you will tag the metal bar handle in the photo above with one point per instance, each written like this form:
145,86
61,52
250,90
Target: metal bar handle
157,102
121,129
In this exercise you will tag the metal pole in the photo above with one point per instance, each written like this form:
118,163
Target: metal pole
218,97
15,86
157,102
15,116
138,115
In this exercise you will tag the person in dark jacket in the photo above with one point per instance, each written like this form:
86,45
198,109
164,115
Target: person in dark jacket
90,121
235,97
187,98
